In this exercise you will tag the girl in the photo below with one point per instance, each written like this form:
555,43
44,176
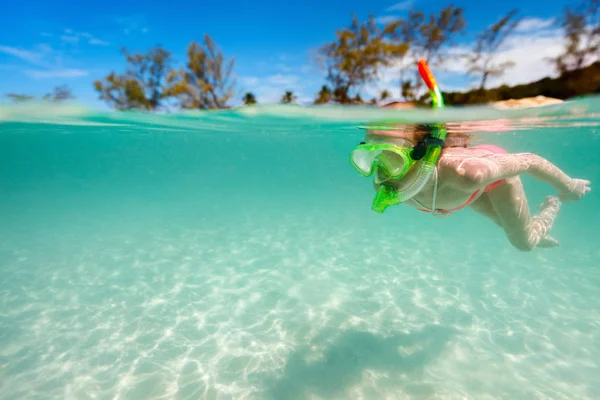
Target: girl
440,172
486,179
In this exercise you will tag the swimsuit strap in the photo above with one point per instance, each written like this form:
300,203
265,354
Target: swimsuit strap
433,208
435,185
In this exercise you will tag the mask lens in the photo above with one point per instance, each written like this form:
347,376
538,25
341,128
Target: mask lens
362,159
391,160
392,163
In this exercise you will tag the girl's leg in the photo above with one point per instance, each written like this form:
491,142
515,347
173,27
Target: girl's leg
484,206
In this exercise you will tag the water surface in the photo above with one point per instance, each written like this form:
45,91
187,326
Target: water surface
234,255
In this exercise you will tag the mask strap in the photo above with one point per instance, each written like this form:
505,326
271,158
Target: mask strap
420,148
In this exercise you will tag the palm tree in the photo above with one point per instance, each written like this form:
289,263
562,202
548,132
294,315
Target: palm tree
61,93
288,97
324,95
385,94
249,99
357,99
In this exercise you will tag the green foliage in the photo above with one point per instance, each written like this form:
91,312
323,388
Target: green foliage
357,55
427,39
481,61
206,81
438,32
19,98
569,84
150,80
357,99
324,96
249,99
384,95
288,97
582,33
60,93
142,86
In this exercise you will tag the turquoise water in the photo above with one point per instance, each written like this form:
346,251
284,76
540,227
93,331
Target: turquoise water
234,255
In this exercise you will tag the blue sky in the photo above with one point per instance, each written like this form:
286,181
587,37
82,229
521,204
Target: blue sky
44,44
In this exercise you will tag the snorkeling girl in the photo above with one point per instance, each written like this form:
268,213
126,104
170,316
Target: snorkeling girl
438,172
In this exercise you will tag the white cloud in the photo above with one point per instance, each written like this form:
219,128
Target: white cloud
71,39
310,68
401,6
283,80
529,51
386,19
34,57
269,94
530,57
133,23
249,80
283,68
56,73
98,42
49,62
533,24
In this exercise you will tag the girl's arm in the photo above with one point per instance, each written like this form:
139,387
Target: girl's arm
481,171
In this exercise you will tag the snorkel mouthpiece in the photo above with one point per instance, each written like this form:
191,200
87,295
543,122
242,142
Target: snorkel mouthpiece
386,196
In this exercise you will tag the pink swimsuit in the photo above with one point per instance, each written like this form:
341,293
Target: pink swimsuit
488,188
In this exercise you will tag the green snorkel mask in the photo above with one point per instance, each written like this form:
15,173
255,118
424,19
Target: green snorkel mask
396,161
393,160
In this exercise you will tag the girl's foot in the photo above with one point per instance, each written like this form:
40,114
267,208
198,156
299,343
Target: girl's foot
548,242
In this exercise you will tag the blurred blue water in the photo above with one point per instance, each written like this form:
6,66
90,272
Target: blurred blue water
234,255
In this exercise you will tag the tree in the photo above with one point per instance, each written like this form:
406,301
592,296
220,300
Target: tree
19,98
438,32
143,84
427,39
206,82
407,90
324,96
582,34
570,84
384,95
357,55
249,99
357,99
288,97
481,61
61,93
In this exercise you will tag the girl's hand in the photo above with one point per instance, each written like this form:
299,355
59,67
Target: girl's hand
577,188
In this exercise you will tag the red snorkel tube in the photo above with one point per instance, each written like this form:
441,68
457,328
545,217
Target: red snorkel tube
437,100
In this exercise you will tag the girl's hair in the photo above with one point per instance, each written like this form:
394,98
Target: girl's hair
416,133
453,137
